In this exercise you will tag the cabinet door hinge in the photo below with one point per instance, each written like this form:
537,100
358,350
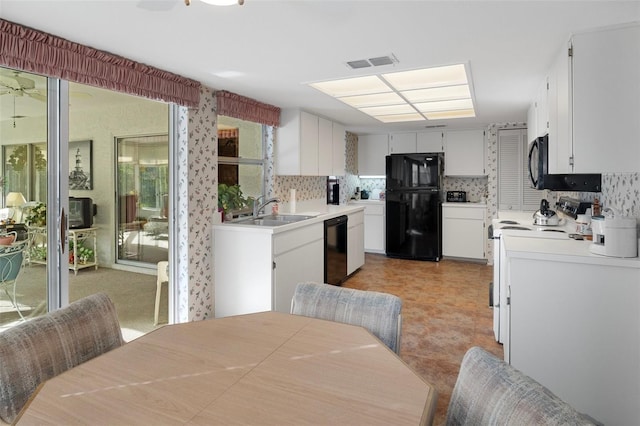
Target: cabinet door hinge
570,51
571,161
273,265
508,300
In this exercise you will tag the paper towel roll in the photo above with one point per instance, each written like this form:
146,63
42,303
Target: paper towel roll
292,201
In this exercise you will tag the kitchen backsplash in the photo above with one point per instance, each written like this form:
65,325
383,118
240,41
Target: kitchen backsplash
620,191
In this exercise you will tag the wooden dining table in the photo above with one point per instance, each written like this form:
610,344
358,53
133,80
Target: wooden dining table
268,368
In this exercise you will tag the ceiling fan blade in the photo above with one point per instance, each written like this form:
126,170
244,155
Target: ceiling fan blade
37,96
25,83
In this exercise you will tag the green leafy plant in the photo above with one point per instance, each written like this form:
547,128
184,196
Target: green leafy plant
84,254
230,198
38,215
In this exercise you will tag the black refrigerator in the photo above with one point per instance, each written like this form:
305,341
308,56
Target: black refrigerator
414,206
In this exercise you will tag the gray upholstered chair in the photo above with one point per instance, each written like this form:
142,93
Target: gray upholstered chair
377,312
489,391
38,349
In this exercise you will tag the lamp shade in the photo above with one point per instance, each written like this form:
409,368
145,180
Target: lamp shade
15,199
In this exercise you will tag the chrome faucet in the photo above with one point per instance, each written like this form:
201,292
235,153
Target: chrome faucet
257,207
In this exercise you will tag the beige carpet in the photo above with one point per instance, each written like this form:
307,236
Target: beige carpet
133,295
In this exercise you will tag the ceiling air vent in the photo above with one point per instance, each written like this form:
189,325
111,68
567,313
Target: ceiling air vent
362,63
375,62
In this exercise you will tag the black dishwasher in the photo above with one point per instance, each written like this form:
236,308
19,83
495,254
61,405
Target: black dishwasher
335,250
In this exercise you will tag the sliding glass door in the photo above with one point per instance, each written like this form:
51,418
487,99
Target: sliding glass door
142,176
30,204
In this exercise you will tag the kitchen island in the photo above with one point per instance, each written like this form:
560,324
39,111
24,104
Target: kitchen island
257,267
575,324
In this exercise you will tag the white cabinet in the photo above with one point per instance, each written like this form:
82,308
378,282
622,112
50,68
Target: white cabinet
538,113
586,346
325,147
374,225
292,251
355,241
372,150
463,230
256,270
402,143
594,103
308,145
339,143
464,153
560,149
606,100
430,142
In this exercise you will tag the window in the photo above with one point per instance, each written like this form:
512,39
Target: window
25,170
241,154
514,191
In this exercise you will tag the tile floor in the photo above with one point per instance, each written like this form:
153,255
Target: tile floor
445,312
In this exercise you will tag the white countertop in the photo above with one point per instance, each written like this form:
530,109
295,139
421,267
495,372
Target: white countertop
561,250
320,214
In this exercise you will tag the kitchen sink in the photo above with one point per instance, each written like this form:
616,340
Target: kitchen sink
273,220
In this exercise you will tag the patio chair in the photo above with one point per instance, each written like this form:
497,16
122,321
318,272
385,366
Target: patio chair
377,312
36,350
11,257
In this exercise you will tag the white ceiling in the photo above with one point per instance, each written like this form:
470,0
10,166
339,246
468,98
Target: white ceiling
273,48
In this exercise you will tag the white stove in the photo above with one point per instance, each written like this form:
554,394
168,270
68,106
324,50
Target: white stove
519,224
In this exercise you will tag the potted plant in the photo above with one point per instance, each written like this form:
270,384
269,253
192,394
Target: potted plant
231,200
37,215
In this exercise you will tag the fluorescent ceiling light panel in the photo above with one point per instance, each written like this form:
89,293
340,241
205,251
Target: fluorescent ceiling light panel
436,93
463,113
399,118
444,105
352,86
428,77
389,109
377,99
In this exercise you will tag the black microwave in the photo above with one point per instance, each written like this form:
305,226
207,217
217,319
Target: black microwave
538,161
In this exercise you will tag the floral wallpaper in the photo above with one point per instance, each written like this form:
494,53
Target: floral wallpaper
202,203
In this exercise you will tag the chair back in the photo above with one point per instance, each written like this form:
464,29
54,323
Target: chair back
490,391
377,312
43,347
11,261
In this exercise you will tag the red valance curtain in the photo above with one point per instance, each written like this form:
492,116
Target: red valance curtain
41,53
236,106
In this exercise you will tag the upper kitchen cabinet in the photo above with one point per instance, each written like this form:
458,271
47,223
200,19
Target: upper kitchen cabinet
372,150
559,81
594,103
606,100
402,143
538,114
464,153
305,145
339,144
430,142
325,147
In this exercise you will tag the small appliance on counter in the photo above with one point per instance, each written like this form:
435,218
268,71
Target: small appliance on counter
614,236
364,194
545,216
456,196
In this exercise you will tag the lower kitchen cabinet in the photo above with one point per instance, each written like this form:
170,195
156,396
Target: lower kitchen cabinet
463,230
574,325
292,251
256,270
355,242
374,225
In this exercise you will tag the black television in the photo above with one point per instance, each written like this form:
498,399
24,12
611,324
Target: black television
81,212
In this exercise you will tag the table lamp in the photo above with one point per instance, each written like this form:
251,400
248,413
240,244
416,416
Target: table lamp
16,200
